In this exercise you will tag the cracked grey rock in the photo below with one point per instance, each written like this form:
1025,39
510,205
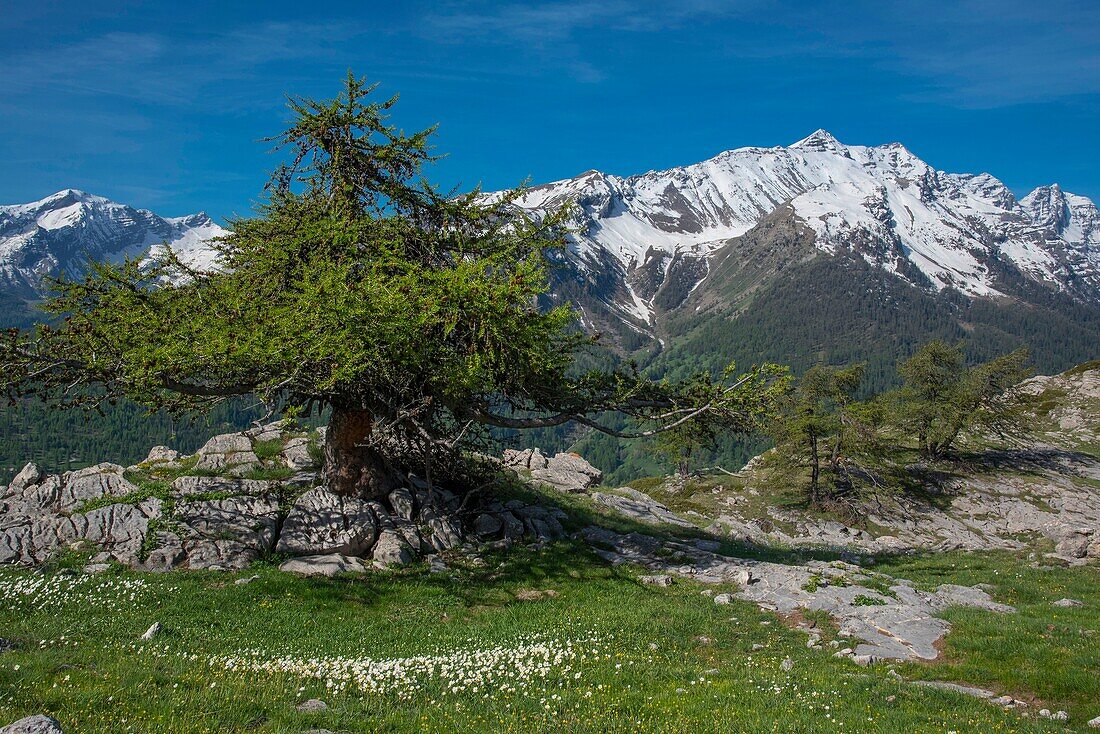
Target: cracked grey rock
296,455
565,472
658,580
322,522
641,507
327,565
189,485
902,629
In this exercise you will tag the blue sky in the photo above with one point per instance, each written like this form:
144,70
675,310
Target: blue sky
162,104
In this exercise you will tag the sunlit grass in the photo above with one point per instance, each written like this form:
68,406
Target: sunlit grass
457,652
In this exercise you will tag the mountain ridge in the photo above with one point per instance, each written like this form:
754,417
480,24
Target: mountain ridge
949,226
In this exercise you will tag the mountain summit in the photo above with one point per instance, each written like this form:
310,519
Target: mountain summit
61,232
935,230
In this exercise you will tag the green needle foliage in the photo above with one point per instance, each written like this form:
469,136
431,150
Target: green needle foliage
826,431
358,287
943,399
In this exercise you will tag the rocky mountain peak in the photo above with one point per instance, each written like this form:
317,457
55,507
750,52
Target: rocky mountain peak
819,140
1048,207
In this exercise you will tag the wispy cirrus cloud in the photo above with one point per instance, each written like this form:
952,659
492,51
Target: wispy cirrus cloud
159,69
553,31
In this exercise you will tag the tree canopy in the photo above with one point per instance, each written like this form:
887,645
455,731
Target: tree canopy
943,399
410,312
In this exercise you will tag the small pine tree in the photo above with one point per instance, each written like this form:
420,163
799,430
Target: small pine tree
824,431
943,399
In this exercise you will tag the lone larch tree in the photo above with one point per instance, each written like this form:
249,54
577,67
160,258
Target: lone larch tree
358,287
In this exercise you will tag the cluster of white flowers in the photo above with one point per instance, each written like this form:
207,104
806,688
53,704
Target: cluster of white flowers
503,668
47,593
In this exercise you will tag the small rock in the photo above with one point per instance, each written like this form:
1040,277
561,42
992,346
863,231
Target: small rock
661,580
787,665
313,704
96,567
487,524
153,631
37,724
1068,603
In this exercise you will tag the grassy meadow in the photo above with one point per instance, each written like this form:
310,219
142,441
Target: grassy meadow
476,649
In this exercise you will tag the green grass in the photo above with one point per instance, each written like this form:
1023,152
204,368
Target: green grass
651,668
1041,652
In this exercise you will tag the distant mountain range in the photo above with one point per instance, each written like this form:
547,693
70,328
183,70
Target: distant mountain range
818,251
655,240
657,256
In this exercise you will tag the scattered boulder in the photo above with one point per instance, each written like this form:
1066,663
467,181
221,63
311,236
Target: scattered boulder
160,454
1067,603
313,704
230,452
38,724
658,580
488,525
567,473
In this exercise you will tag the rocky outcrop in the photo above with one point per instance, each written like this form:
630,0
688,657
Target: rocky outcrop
563,471
222,510
323,522
639,506
1018,498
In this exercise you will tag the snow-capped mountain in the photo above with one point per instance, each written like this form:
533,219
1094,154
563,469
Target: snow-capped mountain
736,247
933,229
61,232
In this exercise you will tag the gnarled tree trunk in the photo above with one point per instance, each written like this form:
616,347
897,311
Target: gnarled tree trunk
353,467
